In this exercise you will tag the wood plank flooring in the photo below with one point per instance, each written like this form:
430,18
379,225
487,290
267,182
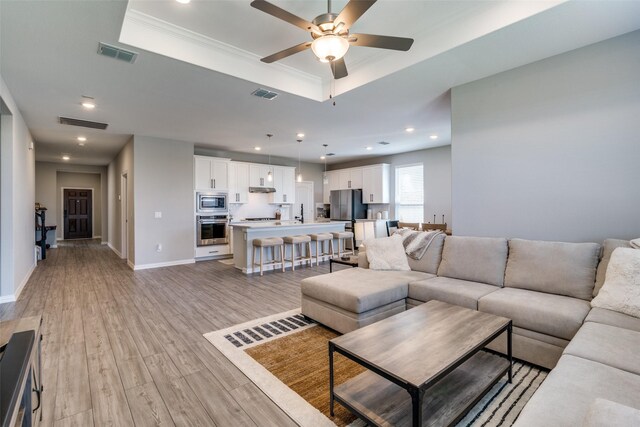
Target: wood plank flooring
126,348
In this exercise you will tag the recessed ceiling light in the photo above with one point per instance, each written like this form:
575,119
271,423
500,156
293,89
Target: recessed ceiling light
300,135
322,157
82,138
257,148
369,148
433,136
66,157
410,129
88,104
81,144
184,1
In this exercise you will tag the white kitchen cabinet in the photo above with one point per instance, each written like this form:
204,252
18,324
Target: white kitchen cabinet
375,184
211,173
258,175
333,183
350,179
238,182
284,181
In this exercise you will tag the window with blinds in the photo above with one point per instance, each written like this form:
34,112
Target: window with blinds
409,200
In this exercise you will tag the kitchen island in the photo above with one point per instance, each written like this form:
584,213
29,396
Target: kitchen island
244,233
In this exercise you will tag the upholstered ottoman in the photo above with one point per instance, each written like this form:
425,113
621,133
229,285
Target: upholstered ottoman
350,299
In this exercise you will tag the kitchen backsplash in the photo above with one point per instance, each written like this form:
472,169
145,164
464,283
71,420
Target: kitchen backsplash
258,207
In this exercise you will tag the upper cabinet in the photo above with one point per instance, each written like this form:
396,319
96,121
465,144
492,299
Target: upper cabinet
211,173
284,181
331,183
259,174
238,182
375,184
350,179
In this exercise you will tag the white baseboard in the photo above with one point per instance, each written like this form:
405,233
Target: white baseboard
117,252
131,265
53,247
16,294
97,237
104,243
137,267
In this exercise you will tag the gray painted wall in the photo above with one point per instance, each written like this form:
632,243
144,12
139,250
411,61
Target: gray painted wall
49,193
163,183
17,169
551,150
123,163
437,179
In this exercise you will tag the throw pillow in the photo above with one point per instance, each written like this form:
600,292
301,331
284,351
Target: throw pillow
635,243
386,253
621,289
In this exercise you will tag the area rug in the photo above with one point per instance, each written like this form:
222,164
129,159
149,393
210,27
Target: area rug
285,355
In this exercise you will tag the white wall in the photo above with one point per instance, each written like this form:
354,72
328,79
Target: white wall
551,150
163,183
122,164
17,197
48,193
437,179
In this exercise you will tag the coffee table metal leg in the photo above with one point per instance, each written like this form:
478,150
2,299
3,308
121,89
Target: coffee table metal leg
331,349
510,351
416,406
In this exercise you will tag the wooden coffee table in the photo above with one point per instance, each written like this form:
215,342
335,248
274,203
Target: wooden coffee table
424,366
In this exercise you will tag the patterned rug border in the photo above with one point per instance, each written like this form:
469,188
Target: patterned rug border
298,409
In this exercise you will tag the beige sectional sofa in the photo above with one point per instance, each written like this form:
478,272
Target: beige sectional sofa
544,287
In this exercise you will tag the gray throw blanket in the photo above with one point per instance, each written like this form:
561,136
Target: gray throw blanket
416,243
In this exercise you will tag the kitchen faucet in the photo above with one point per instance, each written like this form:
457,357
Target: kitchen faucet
301,217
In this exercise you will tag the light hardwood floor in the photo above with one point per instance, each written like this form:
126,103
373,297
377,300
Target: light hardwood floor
126,348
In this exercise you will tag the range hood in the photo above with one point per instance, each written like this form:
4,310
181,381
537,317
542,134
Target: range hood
262,190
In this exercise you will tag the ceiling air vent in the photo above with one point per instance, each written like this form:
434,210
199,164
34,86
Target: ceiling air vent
82,123
117,53
263,93
330,154
384,143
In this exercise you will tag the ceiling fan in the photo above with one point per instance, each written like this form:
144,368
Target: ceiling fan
330,34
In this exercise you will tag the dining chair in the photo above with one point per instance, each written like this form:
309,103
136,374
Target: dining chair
392,226
409,225
429,227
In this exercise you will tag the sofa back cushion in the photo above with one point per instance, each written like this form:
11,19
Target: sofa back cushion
607,249
478,259
553,267
431,259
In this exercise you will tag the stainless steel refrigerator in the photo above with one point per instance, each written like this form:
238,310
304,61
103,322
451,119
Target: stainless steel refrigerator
346,205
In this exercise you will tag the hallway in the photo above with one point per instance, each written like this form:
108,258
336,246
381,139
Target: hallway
123,348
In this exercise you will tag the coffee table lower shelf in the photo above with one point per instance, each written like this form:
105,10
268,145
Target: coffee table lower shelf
383,403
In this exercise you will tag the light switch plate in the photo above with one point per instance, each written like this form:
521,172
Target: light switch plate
158,215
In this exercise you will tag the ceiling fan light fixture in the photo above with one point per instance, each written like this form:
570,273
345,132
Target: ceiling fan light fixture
329,47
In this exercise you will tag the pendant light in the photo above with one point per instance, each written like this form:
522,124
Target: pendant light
299,179
325,177
269,175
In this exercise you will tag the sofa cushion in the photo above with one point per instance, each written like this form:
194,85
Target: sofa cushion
549,314
613,318
606,344
607,249
386,253
621,289
453,291
478,259
358,290
605,413
566,394
552,267
431,259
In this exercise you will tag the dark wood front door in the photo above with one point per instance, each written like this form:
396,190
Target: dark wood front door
77,214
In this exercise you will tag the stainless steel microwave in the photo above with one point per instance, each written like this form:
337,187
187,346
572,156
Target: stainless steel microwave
212,203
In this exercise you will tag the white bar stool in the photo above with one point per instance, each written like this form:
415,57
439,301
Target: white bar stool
320,239
342,237
268,242
300,241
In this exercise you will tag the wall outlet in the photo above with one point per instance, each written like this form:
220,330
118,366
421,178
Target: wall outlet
158,215
159,247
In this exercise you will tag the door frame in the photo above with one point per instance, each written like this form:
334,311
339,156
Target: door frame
93,193
124,215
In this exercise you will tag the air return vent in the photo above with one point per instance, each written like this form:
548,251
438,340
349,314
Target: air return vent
330,154
263,93
117,53
384,143
82,123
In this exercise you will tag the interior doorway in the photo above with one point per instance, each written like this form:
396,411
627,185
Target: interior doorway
304,199
124,218
78,213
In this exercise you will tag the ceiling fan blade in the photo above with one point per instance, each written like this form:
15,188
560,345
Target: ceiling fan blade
287,52
352,11
382,42
279,13
339,69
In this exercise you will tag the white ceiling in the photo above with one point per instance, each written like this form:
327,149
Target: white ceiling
48,59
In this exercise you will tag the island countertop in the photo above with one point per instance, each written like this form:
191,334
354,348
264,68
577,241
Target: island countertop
245,232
